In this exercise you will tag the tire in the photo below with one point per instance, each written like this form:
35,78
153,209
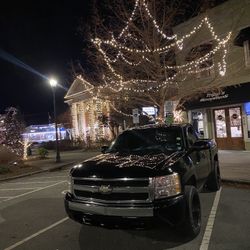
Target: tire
192,222
214,180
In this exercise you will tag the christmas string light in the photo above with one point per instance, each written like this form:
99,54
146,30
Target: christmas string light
129,20
155,23
26,143
178,43
192,67
223,66
194,63
178,116
200,70
120,112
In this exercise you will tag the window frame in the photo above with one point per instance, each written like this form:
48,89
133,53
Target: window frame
194,135
246,46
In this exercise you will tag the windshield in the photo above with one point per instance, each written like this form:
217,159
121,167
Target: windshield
148,140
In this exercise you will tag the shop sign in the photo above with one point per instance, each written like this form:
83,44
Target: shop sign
214,96
149,110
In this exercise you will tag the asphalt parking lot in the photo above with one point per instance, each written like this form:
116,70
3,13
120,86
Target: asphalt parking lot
32,216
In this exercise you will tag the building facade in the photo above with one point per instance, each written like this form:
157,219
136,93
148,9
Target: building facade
87,112
44,133
223,115
222,110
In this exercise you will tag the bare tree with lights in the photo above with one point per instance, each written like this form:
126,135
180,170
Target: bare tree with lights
136,52
11,135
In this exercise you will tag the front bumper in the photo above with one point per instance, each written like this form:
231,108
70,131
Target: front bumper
90,208
171,210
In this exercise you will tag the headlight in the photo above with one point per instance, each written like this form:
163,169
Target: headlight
70,182
166,186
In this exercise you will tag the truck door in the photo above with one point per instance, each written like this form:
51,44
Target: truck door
201,159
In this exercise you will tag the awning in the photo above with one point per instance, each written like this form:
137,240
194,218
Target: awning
226,96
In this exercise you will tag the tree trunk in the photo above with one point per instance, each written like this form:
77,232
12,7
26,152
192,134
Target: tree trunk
161,117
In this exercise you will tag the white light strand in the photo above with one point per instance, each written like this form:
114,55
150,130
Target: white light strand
191,64
192,67
129,20
155,23
223,66
178,43
118,111
26,143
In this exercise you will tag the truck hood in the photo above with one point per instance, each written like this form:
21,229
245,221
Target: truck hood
116,165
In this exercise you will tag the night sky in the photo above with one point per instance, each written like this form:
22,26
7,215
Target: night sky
45,36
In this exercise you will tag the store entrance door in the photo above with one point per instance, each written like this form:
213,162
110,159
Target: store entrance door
228,128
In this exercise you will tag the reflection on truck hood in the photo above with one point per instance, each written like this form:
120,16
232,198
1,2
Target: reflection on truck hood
146,161
119,164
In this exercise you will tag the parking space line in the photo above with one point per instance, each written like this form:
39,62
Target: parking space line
28,182
36,234
58,176
5,197
13,189
210,222
36,190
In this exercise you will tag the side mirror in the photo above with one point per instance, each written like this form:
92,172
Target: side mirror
104,149
201,145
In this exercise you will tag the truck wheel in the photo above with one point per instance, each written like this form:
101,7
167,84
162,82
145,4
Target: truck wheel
192,223
214,180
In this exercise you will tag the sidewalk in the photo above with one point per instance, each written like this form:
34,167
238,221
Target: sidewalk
234,165
67,158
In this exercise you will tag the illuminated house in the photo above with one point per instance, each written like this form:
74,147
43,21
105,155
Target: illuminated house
43,133
86,111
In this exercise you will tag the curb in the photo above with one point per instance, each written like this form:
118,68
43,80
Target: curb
56,168
231,181
61,166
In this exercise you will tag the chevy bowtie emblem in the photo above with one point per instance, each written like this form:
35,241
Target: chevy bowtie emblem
105,189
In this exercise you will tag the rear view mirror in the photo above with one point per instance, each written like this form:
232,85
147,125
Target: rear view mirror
201,145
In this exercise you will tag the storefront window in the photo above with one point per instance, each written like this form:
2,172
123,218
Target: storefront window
235,122
247,111
248,125
220,122
198,122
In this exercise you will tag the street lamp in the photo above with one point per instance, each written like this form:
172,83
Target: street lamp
53,84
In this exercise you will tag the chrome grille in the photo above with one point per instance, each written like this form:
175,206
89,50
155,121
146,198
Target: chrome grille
118,190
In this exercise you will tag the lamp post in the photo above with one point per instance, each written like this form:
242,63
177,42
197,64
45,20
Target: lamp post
53,84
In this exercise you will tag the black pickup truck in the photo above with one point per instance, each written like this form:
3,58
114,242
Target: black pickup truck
148,173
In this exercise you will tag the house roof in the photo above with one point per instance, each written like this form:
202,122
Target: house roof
78,87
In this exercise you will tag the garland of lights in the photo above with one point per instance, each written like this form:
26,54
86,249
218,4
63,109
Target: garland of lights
193,63
130,19
155,23
118,111
191,67
26,143
178,114
179,43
